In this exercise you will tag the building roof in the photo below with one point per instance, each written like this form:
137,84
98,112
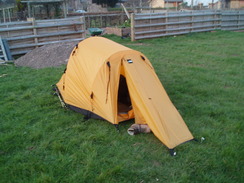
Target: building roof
42,1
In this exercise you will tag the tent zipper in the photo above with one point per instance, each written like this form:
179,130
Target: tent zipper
109,67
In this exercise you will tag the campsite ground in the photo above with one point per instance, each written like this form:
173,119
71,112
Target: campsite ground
203,75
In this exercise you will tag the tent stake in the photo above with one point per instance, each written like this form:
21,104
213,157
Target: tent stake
172,152
117,127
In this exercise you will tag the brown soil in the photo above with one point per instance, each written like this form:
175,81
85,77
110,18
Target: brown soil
52,55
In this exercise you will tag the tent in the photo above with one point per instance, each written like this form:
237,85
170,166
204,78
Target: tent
106,80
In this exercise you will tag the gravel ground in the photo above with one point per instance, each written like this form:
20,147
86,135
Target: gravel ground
52,55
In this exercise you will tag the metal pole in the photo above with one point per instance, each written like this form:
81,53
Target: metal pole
4,18
64,9
29,9
9,17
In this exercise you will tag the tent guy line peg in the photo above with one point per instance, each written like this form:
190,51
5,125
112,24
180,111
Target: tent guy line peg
202,139
172,152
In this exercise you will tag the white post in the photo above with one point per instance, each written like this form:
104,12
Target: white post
132,27
126,12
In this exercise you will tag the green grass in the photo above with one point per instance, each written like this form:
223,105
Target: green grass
203,75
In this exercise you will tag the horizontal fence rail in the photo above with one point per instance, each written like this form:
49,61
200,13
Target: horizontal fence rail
22,37
145,26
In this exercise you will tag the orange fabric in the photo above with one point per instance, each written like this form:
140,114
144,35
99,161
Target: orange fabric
154,104
92,79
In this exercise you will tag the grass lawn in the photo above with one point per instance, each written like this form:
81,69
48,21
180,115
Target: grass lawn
203,75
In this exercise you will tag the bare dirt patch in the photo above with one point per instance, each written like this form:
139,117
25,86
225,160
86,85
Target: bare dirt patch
52,55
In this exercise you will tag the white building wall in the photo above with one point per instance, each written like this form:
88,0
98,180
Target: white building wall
157,4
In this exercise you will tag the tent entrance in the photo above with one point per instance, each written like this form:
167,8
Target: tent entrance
124,102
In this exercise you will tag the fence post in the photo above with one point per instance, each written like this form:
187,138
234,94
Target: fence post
89,22
9,17
64,9
4,18
192,21
101,20
34,30
83,20
122,18
239,20
166,21
221,19
132,27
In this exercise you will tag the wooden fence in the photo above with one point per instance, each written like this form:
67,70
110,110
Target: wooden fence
145,26
232,20
25,36
8,14
105,20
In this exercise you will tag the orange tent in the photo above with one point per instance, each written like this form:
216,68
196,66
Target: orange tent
107,80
